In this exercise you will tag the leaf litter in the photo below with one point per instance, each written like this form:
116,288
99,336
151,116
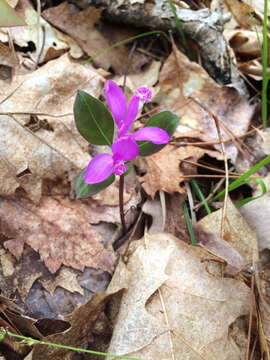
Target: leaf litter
175,303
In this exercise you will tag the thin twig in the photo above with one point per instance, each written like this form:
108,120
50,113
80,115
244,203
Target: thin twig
33,113
217,121
190,177
250,315
191,202
216,188
235,140
209,167
216,142
167,322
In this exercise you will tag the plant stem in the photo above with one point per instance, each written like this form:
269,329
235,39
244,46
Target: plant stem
121,203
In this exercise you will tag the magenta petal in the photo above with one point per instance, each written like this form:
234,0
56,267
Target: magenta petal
125,149
116,101
99,168
133,110
153,134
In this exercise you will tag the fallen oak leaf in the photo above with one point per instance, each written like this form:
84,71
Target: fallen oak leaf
59,230
163,170
219,247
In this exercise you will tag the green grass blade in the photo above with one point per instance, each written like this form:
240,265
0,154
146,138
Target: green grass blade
189,225
246,200
201,196
125,41
31,341
257,32
244,178
180,30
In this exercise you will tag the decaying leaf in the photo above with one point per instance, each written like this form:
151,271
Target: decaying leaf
163,171
181,81
199,306
7,177
50,151
7,56
237,231
82,322
81,26
219,247
59,230
23,151
241,11
49,42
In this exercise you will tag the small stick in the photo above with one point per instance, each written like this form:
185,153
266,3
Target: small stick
250,315
217,122
121,203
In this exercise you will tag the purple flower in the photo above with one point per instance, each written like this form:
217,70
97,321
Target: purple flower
124,147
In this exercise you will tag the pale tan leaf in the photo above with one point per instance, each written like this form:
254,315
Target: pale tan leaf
200,307
8,179
238,233
180,81
219,247
37,29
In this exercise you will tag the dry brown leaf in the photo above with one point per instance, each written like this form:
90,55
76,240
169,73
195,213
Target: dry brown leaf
82,28
7,177
23,151
176,223
247,48
46,295
51,151
237,231
163,170
82,322
51,90
66,278
201,308
55,42
241,12
181,79
244,42
19,276
219,247
7,56
59,230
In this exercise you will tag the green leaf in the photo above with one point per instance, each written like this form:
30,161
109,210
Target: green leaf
93,120
8,16
129,165
84,190
165,120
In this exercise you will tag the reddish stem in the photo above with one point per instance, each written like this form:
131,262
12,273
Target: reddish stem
121,203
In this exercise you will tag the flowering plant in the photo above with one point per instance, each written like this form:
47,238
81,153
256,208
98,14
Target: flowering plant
124,148
97,125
